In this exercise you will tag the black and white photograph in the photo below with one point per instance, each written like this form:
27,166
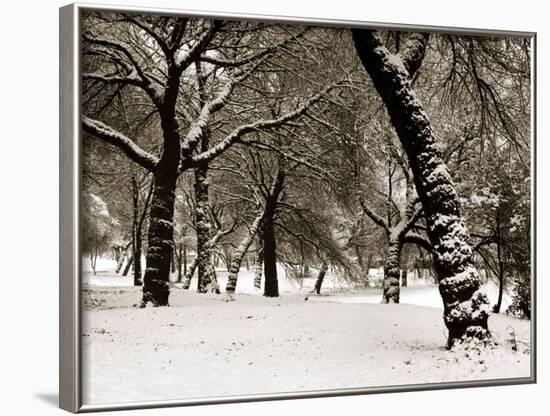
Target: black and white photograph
270,207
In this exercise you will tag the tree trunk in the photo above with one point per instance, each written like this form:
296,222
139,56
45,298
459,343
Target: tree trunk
137,259
259,263
320,278
271,284
390,285
128,266
180,261
160,236
496,308
404,281
190,272
206,272
123,255
239,253
465,307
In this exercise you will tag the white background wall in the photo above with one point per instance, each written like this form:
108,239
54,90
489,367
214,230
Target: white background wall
29,192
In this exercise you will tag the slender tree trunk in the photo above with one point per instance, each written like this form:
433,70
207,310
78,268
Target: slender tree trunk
390,285
93,260
320,278
404,276
496,308
184,258
240,252
123,255
465,306
137,259
160,236
190,272
259,263
271,284
206,272
180,261
128,266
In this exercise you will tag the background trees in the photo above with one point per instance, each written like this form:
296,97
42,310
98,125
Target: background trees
304,148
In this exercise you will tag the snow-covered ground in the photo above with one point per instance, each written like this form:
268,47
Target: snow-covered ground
203,346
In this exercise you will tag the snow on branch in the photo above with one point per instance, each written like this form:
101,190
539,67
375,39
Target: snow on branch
231,63
128,146
419,240
241,131
142,80
198,128
413,54
377,219
199,46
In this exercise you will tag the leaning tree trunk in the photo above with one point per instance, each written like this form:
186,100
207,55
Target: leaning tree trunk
122,256
320,278
206,272
465,306
390,285
190,272
259,263
160,236
239,253
128,266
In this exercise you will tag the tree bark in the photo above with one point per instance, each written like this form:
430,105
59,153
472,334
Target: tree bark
190,272
206,272
496,308
320,278
128,266
465,307
160,236
271,284
390,285
259,263
240,252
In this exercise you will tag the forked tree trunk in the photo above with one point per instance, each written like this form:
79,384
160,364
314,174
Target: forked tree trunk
465,306
390,285
320,278
123,255
239,253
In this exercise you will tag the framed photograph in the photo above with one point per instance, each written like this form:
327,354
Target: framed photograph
260,208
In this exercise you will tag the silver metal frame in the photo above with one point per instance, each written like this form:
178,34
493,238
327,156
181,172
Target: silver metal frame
70,383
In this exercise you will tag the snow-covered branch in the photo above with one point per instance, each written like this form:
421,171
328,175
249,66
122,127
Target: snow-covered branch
413,54
241,131
199,46
128,146
142,79
374,216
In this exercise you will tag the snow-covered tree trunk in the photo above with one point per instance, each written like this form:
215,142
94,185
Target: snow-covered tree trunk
190,272
320,277
465,306
240,252
259,261
206,272
390,285
160,237
122,256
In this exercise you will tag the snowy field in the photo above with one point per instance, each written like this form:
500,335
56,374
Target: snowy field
203,346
